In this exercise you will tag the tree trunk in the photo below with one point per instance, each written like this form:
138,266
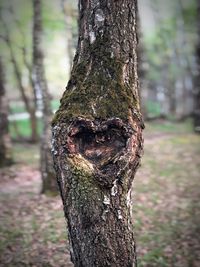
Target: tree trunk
69,20
29,108
40,84
97,136
197,84
141,70
33,125
5,142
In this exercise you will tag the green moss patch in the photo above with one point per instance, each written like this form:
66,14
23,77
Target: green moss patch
96,88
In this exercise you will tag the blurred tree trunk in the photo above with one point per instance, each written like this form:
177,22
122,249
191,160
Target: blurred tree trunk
31,110
69,15
5,141
97,135
40,85
197,78
181,58
143,92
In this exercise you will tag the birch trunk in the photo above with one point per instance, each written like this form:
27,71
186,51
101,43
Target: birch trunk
5,141
197,84
40,85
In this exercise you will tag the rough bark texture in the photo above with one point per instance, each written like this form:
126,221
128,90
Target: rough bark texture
39,81
97,135
5,142
197,83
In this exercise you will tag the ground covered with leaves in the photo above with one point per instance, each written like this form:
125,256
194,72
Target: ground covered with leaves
166,205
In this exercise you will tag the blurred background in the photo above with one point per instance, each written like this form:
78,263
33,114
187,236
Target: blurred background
36,54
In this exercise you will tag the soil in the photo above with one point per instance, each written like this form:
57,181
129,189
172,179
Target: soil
165,206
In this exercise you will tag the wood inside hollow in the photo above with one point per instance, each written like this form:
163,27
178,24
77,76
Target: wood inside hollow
99,147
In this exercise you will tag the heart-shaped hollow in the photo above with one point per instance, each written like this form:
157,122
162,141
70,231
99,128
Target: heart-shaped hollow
98,145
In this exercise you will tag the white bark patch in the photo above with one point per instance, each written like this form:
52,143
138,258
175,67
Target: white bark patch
104,214
114,189
80,51
53,140
93,110
73,89
56,128
119,213
53,150
92,37
106,200
63,178
99,17
80,6
128,200
99,20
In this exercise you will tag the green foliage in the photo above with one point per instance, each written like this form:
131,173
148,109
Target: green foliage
168,46
169,127
153,109
190,15
18,107
19,24
23,128
53,21
161,53
55,104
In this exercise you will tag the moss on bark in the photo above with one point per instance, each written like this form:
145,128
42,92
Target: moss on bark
97,94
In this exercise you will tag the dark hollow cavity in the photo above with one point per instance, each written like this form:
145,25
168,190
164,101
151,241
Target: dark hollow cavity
99,147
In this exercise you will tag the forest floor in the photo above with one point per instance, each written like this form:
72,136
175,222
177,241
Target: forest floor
166,205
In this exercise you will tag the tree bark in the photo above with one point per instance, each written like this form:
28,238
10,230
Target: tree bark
5,141
97,136
40,85
197,84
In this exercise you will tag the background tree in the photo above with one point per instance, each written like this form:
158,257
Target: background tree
169,51
197,83
40,86
28,99
142,66
97,135
5,142
70,15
